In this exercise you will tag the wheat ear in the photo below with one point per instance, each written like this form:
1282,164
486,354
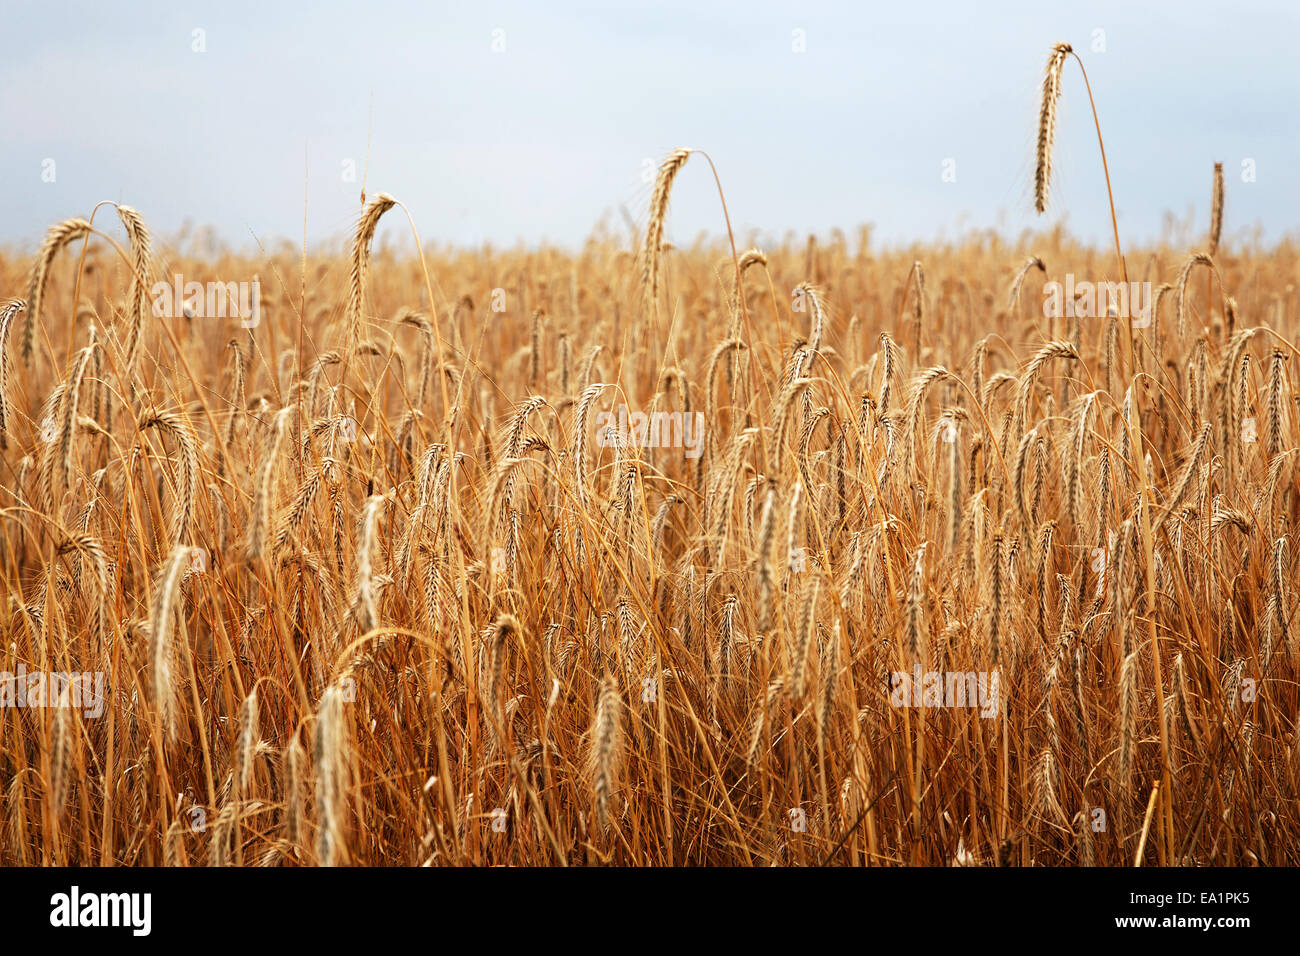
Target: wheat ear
1047,124
654,234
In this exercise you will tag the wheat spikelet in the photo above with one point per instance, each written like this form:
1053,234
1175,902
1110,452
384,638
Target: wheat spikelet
15,825
730,346
91,548
7,314
759,722
63,740
566,361
50,415
803,638
750,257
1047,124
366,591
1024,390
162,629
173,845
660,522
1074,469
918,307
178,425
1273,407
1028,441
726,640
1045,535
606,747
1103,496
654,233
331,777
579,452
783,410
817,318
1042,788
915,610
365,235
829,688
263,501
420,321
1181,286
142,262
1014,296
222,830
792,527
1189,472
718,506
504,629
767,532
890,376
949,428
248,737
589,365
1127,719
293,519
1087,852
295,765
62,472
1278,585
1182,698
58,236
535,350
1216,210
997,600
915,409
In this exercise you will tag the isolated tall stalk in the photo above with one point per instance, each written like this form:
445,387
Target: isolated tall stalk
1047,120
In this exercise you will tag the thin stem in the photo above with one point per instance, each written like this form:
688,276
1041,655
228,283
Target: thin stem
1133,425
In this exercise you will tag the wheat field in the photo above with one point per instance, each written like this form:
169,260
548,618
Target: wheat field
382,579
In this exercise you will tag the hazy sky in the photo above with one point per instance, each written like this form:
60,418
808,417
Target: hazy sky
504,122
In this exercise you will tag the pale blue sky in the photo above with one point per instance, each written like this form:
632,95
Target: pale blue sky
541,140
